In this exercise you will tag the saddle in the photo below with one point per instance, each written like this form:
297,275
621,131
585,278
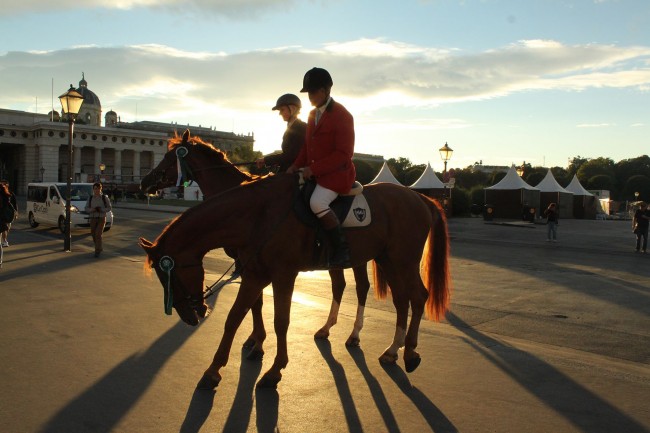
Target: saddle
351,209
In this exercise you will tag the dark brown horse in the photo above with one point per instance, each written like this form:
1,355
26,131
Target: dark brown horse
210,168
274,246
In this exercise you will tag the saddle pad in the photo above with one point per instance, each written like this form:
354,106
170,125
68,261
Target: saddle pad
359,213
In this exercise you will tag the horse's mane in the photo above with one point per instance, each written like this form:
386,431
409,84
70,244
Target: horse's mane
208,151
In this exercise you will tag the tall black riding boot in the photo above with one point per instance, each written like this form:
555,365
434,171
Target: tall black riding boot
339,253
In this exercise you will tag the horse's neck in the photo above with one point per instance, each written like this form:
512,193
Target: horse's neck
229,220
217,178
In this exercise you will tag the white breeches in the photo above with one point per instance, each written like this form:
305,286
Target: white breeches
321,199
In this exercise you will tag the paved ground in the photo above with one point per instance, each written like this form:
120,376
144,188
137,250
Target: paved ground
542,337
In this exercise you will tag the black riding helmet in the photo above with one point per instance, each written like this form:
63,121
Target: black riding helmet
287,99
316,78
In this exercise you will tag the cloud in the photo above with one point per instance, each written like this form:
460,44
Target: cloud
242,9
236,91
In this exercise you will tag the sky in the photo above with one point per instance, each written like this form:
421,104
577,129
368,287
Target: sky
500,81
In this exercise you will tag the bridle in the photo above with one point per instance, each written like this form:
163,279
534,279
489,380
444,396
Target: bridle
165,266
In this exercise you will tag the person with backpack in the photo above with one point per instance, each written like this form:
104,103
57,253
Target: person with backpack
8,211
97,206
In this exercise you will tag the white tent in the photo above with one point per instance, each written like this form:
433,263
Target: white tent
512,181
576,187
512,197
428,180
385,175
585,204
429,185
552,192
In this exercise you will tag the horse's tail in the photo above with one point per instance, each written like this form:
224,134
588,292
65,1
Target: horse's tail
435,262
380,282
434,265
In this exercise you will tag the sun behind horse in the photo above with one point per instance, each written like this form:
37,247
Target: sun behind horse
274,246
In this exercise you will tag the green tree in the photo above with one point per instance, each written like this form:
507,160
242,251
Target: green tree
413,174
601,182
638,183
574,165
460,202
561,175
595,167
535,175
496,177
468,178
626,169
365,172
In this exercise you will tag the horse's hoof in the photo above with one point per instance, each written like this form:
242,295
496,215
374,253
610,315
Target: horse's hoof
255,355
412,364
353,342
208,382
268,382
249,344
387,358
321,334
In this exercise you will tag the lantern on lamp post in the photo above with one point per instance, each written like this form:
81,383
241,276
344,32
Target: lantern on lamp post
445,154
70,103
102,167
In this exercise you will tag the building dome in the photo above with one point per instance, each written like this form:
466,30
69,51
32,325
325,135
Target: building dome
110,118
89,95
90,112
54,116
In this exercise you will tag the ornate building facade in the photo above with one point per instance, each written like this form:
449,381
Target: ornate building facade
34,147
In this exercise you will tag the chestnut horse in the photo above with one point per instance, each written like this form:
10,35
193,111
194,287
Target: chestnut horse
257,220
210,168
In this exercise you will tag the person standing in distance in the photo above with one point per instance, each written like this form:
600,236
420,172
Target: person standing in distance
640,224
327,158
288,106
7,225
97,206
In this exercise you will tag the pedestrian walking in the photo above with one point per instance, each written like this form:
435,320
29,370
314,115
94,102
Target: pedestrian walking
552,219
640,224
6,225
97,206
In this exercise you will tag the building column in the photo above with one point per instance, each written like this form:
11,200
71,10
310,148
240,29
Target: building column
98,160
76,153
136,166
48,158
117,166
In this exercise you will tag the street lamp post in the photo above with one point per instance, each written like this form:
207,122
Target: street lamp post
102,167
70,103
42,170
445,154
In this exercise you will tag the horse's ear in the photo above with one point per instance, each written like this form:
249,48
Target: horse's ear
145,244
186,136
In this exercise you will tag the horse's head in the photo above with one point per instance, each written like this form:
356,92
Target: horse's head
165,174
182,284
197,161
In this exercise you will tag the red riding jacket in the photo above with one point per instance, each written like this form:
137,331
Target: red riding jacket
329,147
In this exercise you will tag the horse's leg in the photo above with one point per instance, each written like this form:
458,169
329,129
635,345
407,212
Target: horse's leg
282,291
338,285
249,291
363,285
418,296
258,334
401,303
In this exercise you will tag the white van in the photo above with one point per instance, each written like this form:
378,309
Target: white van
46,205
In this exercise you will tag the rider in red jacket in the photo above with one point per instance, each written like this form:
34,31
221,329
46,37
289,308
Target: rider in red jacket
327,157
